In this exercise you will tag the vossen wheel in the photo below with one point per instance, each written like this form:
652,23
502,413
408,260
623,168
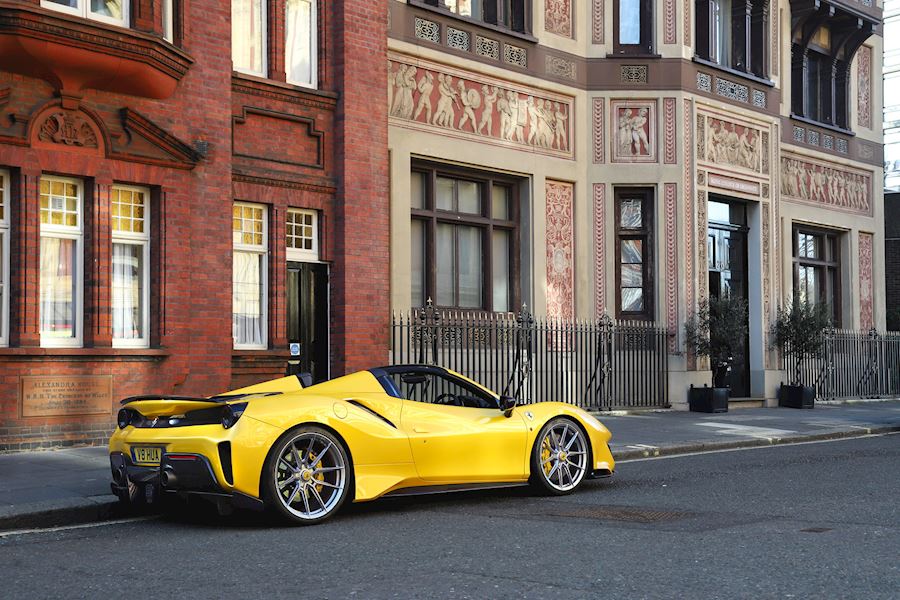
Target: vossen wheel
306,478
560,457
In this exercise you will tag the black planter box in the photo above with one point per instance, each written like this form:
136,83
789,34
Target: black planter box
797,396
708,400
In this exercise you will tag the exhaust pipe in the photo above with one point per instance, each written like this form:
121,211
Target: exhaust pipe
167,478
119,475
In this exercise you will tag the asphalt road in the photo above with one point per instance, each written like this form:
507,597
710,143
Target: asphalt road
817,520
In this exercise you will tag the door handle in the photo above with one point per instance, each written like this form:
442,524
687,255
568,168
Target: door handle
420,430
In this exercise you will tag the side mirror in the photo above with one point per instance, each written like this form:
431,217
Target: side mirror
507,404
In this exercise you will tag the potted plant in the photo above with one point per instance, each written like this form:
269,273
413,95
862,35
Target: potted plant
717,330
797,332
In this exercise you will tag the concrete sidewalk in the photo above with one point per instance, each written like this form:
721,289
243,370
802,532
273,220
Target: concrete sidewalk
57,487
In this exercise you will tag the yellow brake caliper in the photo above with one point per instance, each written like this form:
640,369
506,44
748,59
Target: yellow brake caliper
545,455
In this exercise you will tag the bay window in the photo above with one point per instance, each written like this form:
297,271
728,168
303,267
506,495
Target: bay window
248,35
249,276
732,34
108,11
464,240
130,276
4,257
510,14
61,260
634,253
633,26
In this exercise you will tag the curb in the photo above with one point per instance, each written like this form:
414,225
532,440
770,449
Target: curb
695,447
42,515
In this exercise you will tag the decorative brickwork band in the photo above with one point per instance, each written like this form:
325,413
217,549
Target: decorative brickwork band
457,103
864,87
669,131
670,200
560,250
669,34
597,23
558,17
866,282
599,249
597,122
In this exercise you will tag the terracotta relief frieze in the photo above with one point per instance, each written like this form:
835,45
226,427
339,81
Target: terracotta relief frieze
825,184
864,87
448,101
558,17
634,139
866,282
599,249
560,199
732,143
69,128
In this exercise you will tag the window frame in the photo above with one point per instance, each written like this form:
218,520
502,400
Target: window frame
5,195
646,235
302,254
83,9
264,42
750,44
830,265
646,47
263,254
168,20
134,239
313,45
519,10
432,216
67,233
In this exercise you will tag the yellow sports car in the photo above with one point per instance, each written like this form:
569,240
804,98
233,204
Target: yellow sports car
302,451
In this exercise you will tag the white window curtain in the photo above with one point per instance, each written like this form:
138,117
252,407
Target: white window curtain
248,21
128,292
300,42
247,299
58,287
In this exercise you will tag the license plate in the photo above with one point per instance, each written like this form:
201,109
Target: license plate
147,455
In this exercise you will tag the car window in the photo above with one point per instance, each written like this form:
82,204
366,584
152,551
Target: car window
434,388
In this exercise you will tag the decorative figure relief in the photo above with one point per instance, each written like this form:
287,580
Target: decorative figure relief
489,109
866,282
669,130
445,115
68,128
426,84
635,139
669,197
733,144
471,100
560,250
599,249
597,25
864,87
558,17
826,183
597,117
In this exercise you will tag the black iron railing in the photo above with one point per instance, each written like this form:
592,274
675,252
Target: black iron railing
852,364
593,364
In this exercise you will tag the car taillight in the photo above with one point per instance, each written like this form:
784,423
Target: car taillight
231,413
124,418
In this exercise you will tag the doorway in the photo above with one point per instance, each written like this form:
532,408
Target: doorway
307,316
727,257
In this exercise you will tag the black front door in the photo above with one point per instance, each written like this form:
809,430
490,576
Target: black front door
307,316
727,256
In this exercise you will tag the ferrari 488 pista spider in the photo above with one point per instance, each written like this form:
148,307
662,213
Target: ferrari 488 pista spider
302,452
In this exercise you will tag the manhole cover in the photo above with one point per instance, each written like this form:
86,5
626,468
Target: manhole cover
616,513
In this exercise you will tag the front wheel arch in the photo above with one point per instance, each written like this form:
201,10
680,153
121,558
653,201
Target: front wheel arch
589,467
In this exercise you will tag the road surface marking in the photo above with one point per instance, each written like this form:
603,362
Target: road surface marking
747,430
4,534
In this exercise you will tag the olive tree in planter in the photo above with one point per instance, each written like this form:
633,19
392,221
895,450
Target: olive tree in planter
797,332
717,330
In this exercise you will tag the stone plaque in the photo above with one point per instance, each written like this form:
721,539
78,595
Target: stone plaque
71,395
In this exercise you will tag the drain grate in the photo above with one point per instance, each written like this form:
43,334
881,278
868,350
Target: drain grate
616,513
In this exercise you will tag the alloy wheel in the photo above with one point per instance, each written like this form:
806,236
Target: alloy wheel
563,457
310,475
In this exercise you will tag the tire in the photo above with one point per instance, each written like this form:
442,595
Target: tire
560,458
307,476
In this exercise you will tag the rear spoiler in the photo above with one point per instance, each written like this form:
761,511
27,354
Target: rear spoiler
221,399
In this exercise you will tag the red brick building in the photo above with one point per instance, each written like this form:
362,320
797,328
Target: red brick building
187,188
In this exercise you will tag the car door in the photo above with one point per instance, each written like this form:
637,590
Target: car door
457,432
